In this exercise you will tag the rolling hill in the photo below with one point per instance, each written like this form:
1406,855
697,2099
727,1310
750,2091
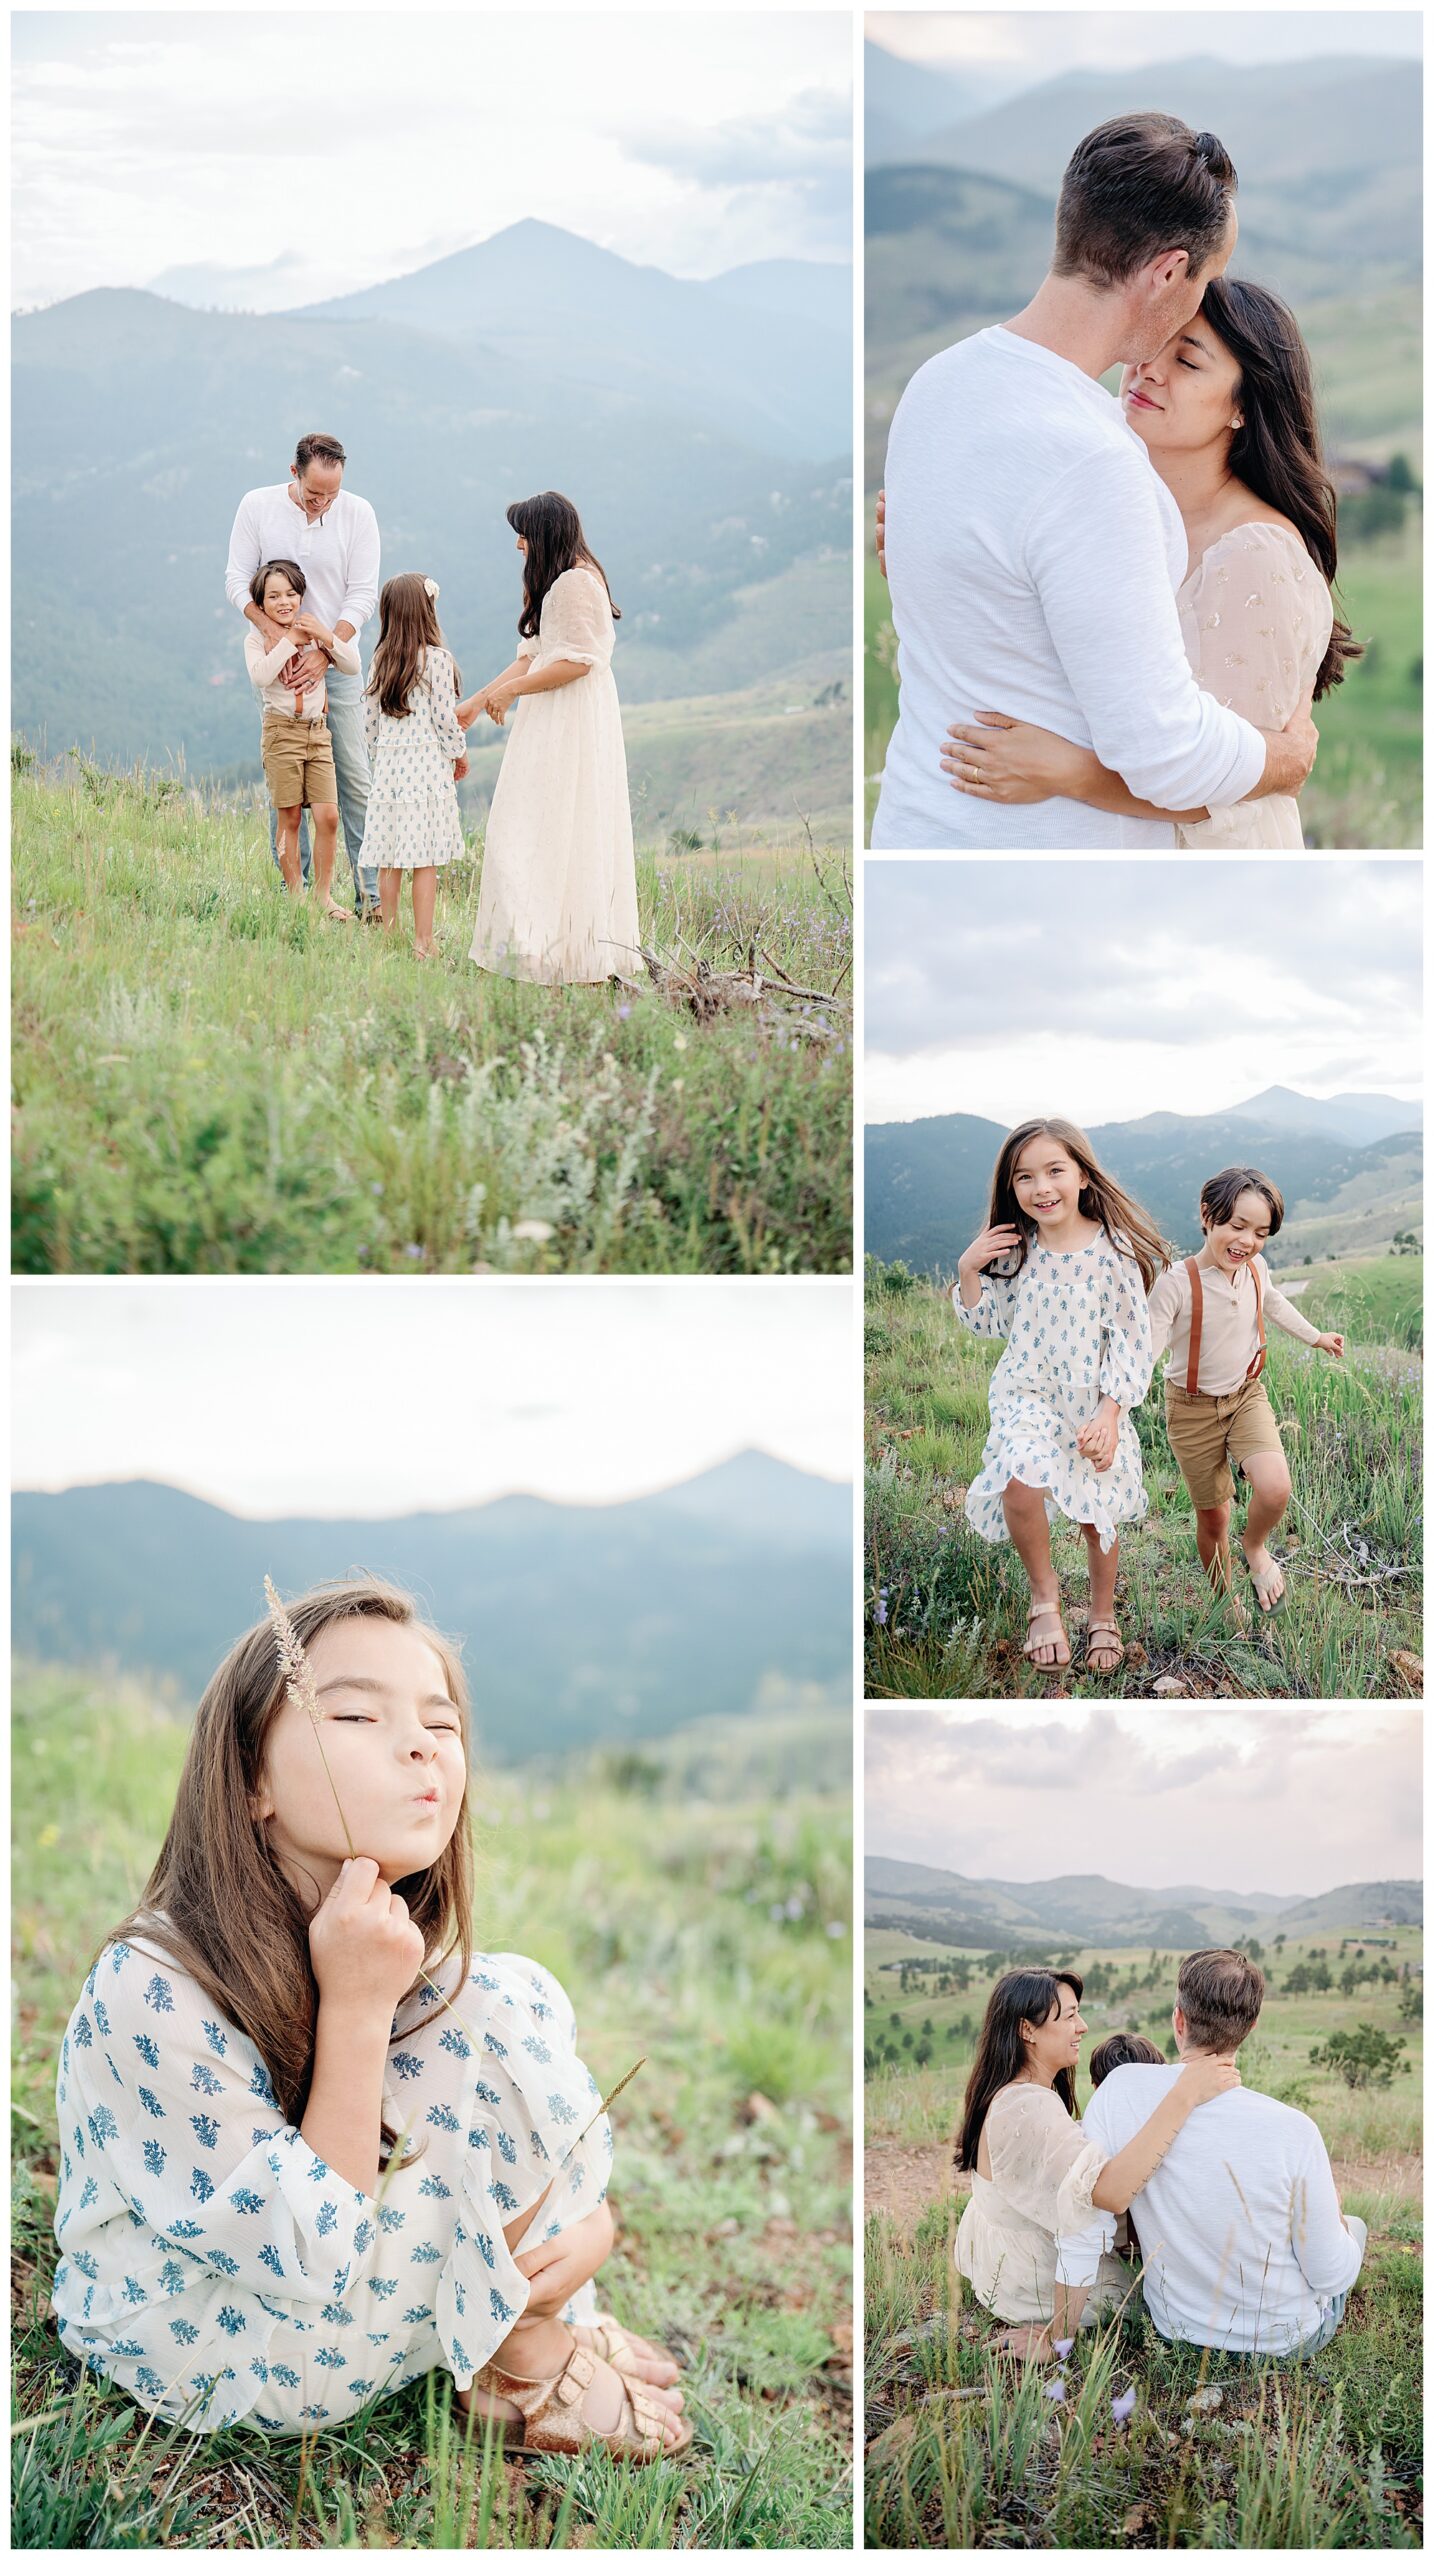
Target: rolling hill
1088,1910
928,1181
579,1625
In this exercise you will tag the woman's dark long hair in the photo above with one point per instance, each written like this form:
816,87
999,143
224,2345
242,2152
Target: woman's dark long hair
1027,1998
552,529
1276,450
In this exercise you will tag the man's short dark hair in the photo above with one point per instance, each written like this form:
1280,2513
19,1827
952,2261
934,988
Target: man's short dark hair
1135,186
316,449
1220,1992
1219,1195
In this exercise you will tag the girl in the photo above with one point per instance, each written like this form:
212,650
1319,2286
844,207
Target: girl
1061,1273
1217,1413
559,896
415,752
1227,412
294,741
292,2178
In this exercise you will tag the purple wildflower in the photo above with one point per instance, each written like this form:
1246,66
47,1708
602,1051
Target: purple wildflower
1055,2391
1122,2405
1062,2347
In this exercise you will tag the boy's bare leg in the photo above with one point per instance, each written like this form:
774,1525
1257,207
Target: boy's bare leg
1212,1537
1269,1482
1025,1508
286,845
326,845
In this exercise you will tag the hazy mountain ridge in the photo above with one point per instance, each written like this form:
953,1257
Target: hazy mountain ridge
579,1625
1092,1910
928,1181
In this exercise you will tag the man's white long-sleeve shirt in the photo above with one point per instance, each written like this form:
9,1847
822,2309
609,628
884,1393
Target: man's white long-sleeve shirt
1033,555
338,552
1240,2230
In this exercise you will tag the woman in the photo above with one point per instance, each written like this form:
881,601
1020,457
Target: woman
1034,2175
1227,413
558,901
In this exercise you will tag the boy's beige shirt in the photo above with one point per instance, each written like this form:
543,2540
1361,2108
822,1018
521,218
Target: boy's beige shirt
1229,1334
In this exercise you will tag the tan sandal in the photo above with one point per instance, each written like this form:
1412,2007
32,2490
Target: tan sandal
551,2410
1033,1643
607,2338
1103,1636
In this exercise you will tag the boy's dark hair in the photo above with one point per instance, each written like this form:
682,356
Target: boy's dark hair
1114,2050
1219,1195
316,449
265,571
1135,186
1220,1992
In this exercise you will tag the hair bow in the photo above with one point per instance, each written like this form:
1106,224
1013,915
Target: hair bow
430,589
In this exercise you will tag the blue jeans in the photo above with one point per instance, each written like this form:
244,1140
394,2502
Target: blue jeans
1322,2335
345,716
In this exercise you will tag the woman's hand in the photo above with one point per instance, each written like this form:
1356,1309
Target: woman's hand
1098,1438
365,1950
1333,1343
988,1246
1013,762
1031,2343
557,2268
1207,2076
499,701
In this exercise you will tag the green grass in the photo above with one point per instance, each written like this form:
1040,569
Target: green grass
1376,1301
682,1924
1365,793
1325,2455
209,1081
955,1608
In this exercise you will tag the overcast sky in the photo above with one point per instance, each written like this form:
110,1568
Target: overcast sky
358,144
1242,1800
1046,42
1104,990
371,1397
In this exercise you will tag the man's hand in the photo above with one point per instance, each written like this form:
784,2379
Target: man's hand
1289,756
557,2268
881,531
310,671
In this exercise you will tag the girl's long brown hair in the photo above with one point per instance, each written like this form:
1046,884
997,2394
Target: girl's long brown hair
1031,1996
219,1903
1101,1197
407,625
1276,449
552,529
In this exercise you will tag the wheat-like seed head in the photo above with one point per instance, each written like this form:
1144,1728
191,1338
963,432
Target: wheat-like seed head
293,1661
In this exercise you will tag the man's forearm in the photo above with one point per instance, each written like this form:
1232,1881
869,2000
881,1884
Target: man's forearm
1287,765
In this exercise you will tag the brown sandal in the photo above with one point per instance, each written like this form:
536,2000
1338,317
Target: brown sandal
1102,1635
606,2338
551,2409
1034,1643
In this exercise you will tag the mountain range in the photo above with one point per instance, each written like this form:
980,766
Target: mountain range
1350,1169
729,1594
1093,1911
704,429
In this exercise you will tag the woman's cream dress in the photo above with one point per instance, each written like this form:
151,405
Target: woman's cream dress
1042,2173
559,897
1255,616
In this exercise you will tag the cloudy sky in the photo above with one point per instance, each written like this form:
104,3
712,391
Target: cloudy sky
1243,1800
1045,42
340,146
379,1396
1105,990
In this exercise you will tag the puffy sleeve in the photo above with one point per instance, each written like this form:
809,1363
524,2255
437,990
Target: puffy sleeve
1126,1353
1042,2162
174,2120
577,619
1257,618
991,1316
443,696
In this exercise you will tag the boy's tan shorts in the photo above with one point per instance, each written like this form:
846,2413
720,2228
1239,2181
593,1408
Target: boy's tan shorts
1209,1434
298,762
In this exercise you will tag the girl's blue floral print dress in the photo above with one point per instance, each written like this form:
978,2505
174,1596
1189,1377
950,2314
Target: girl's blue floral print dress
224,2274
1076,1328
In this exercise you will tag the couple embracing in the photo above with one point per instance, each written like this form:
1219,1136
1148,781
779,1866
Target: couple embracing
1113,616
558,900
1220,2202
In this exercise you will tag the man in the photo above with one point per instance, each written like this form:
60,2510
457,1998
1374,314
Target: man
333,535
1033,552
1243,2242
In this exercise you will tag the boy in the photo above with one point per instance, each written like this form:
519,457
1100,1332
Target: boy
1211,1312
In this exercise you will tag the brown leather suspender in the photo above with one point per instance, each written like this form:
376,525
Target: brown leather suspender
1197,1320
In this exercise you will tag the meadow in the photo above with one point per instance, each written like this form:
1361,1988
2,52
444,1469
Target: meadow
694,1899
946,1613
207,1079
1218,2453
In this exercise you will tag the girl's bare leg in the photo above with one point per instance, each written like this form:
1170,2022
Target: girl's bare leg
388,888
425,889
1102,1570
326,845
1025,1508
286,845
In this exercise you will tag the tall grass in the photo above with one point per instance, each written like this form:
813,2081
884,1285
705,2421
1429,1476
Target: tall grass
209,1080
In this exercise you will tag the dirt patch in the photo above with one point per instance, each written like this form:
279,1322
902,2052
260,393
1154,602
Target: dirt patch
1394,2173
902,2178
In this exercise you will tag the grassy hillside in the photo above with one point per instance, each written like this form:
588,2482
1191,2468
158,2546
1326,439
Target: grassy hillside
697,1912
1369,1301
208,1080
946,1613
965,2451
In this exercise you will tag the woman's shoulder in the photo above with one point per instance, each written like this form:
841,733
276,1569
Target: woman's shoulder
1262,535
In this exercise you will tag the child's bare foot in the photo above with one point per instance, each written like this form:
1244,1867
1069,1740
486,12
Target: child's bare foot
1265,1576
423,950
1049,1649
333,913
